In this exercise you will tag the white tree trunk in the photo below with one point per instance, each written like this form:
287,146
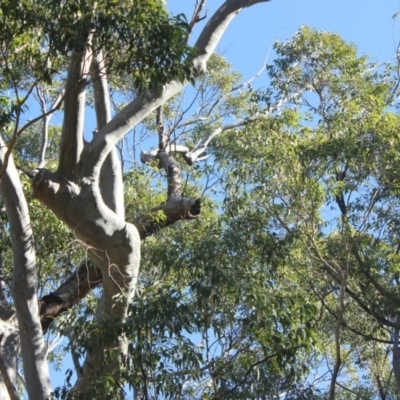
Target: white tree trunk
23,284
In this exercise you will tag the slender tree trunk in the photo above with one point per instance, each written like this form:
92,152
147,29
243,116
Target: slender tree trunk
24,280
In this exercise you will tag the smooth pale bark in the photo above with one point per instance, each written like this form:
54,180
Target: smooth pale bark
87,277
112,244
111,183
9,351
45,123
23,288
71,145
9,343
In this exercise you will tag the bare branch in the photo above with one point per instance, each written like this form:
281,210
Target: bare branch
338,328
196,14
163,137
239,86
14,139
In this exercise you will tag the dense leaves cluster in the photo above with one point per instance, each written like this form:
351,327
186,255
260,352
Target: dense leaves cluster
326,183
136,37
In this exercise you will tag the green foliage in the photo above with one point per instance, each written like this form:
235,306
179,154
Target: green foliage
326,183
139,38
244,302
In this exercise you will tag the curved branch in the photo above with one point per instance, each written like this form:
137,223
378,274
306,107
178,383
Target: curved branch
175,209
88,276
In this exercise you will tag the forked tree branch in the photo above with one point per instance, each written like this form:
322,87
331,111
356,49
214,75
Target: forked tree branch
196,14
177,207
88,276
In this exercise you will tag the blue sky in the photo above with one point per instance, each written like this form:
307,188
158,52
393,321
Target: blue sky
366,23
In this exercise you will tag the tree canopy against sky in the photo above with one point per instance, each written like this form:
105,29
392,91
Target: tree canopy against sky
282,281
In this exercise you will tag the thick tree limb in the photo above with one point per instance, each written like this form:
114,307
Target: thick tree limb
88,276
113,244
76,287
111,184
74,110
173,174
23,284
175,209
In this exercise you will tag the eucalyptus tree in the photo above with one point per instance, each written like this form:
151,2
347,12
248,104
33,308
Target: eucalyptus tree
327,184
69,47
